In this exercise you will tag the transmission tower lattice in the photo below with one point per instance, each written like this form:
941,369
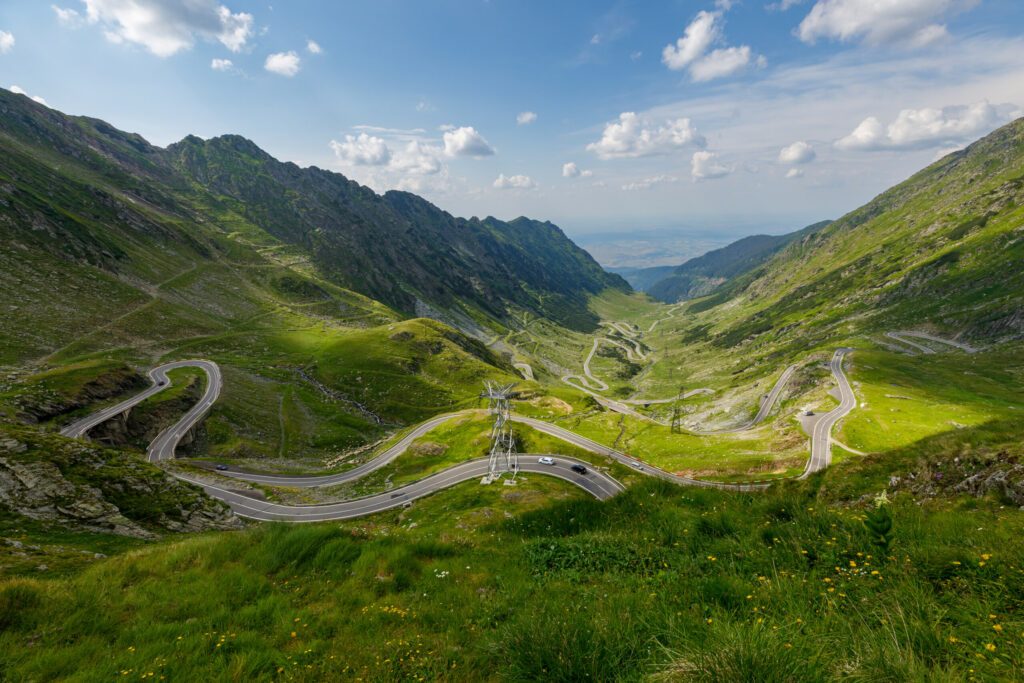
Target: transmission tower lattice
503,457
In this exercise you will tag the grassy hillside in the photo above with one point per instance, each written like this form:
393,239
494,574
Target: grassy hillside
702,275
939,251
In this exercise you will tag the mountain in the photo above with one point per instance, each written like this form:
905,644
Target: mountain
642,279
101,217
942,250
700,276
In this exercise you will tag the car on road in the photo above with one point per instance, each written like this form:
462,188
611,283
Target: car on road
637,465
546,460
161,383
579,469
221,468
809,413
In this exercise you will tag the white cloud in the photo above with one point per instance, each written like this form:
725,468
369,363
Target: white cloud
313,47
571,170
783,5
724,5
648,183
525,118
795,173
417,158
362,150
928,127
691,50
516,182
222,64
695,41
798,153
165,27
6,42
35,98
705,166
283,63
466,142
636,136
723,62
875,22
67,16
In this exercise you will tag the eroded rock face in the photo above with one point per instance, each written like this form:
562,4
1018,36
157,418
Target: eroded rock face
53,479
1007,483
39,491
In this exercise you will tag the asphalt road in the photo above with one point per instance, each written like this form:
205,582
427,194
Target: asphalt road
903,334
596,483
821,435
158,376
301,481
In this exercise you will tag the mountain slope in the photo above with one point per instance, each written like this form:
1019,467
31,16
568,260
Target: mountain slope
77,193
942,250
700,276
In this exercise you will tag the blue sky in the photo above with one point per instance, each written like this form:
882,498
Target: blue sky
733,115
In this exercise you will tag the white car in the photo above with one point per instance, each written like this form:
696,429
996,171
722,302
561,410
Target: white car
546,460
636,465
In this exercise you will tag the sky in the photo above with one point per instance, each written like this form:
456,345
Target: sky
722,115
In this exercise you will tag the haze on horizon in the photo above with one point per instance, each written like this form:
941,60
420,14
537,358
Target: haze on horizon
721,115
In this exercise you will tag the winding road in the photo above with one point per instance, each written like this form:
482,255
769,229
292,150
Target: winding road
901,336
595,482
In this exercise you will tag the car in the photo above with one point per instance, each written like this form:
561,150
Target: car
579,469
545,460
222,468
637,465
161,383
809,413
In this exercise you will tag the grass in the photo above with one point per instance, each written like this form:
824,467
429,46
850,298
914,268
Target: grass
662,582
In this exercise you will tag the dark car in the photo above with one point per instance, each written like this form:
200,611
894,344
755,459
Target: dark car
579,469
222,468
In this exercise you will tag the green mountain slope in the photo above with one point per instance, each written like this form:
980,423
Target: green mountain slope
700,276
943,250
107,213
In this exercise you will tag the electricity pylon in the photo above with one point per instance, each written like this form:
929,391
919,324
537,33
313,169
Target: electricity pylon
503,457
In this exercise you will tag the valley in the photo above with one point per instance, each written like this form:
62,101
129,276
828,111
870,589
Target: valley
242,433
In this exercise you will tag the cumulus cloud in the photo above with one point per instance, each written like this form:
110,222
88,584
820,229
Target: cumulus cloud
466,142
914,23
6,42
724,62
794,173
222,64
798,153
636,136
418,159
362,150
691,50
35,98
706,165
525,118
165,27
571,170
516,182
283,63
927,128
695,41
313,47
648,183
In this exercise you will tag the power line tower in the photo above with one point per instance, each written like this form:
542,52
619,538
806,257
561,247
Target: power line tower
677,420
503,457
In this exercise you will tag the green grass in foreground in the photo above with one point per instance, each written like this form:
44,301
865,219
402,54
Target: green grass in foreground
663,581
